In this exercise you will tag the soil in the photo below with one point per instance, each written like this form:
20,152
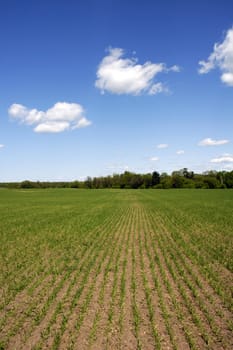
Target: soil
170,315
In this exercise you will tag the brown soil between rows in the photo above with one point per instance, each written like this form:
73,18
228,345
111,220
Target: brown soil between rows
205,292
72,337
140,235
84,335
222,340
222,275
173,322
93,281
29,331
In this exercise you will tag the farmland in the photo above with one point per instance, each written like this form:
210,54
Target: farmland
116,269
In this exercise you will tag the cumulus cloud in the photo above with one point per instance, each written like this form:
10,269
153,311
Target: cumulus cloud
180,152
162,145
62,116
119,75
221,57
154,159
210,142
225,158
1,146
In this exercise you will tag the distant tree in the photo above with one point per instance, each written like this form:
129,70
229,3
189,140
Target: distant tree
147,180
211,182
116,181
75,184
136,181
177,181
88,182
27,184
187,174
182,178
228,179
155,178
165,181
188,183
125,179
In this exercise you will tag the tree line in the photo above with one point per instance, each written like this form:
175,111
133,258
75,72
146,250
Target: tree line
182,178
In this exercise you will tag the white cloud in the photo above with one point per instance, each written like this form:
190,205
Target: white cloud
154,159
120,75
180,152
62,116
225,158
82,123
1,146
157,88
211,142
221,57
52,127
162,145
229,166
175,68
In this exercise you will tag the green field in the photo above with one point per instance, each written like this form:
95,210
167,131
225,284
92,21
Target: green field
116,269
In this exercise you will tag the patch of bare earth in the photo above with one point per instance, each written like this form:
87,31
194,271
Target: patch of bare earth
134,288
216,314
25,309
114,333
26,324
72,306
145,334
101,327
208,301
86,331
79,326
128,340
172,334
205,305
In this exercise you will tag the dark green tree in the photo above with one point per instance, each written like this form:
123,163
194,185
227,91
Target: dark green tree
155,178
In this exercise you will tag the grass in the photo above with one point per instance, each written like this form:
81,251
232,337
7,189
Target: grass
114,268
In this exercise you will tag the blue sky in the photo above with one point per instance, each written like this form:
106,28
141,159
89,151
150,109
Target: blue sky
95,87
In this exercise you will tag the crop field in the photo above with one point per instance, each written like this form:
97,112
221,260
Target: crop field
116,269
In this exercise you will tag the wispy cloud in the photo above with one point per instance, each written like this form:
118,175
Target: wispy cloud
211,142
154,159
2,146
221,57
225,158
119,75
180,152
162,145
62,116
